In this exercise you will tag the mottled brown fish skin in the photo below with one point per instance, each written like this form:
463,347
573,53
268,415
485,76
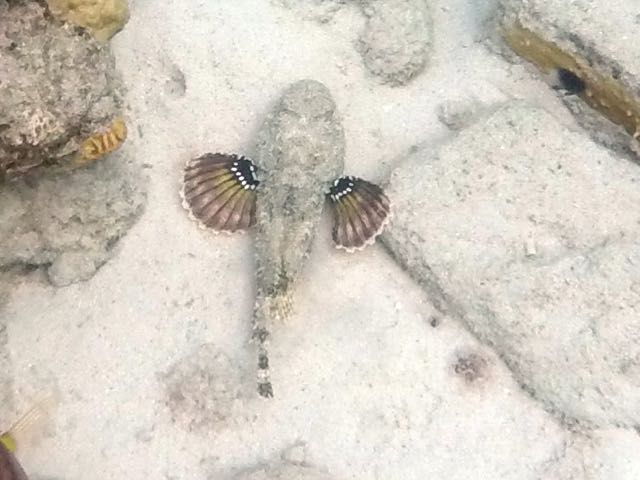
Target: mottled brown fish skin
10,469
300,152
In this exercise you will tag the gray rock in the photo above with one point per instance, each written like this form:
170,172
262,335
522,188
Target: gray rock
529,233
59,86
296,454
396,42
591,39
284,472
599,455
69,222
321,11
459,112
6,381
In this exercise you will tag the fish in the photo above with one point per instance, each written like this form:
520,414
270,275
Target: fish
280,194
20,433
101,143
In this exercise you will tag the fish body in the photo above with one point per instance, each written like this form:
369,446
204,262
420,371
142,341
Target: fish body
300,152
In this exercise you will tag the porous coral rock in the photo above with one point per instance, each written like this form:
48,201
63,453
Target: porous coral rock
58,87
396,42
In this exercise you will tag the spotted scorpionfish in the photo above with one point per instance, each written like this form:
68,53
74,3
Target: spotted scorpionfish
280,193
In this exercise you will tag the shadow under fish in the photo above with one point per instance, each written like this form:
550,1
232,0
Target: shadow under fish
299,161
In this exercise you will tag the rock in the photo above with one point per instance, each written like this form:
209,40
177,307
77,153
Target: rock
458,113
71,266
296,454
396,42
58,87
202,390
321,11
103,18
69,223
529,233
590,39
6,380
600,455
284,472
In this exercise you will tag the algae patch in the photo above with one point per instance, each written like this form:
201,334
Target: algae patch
103,18
603,92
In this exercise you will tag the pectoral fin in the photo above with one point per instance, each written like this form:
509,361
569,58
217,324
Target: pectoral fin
218,191
360,212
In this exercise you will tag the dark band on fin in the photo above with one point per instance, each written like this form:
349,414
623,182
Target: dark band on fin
360,212
218,190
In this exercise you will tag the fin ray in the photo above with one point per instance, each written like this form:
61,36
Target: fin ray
360,212
218,191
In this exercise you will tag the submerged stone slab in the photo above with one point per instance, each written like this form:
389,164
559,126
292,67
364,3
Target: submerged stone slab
591,39
530,233
284,472
600,455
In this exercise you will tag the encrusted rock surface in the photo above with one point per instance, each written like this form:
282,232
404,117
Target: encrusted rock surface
58,87
103,18
284,472
69,223
601,455
529,233
396,42
318,10
6,383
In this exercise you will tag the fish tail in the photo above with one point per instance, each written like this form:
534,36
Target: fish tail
260,335
267,310
29,424
265,389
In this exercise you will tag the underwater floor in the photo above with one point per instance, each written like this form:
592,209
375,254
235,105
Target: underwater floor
372,380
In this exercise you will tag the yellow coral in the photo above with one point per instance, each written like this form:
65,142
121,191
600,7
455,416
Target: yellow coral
101,143
602,91
103,18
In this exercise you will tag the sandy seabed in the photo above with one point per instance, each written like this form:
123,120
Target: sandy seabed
369,378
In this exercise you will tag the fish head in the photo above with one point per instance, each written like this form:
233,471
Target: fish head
302,142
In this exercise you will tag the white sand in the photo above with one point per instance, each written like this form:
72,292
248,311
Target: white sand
360,375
